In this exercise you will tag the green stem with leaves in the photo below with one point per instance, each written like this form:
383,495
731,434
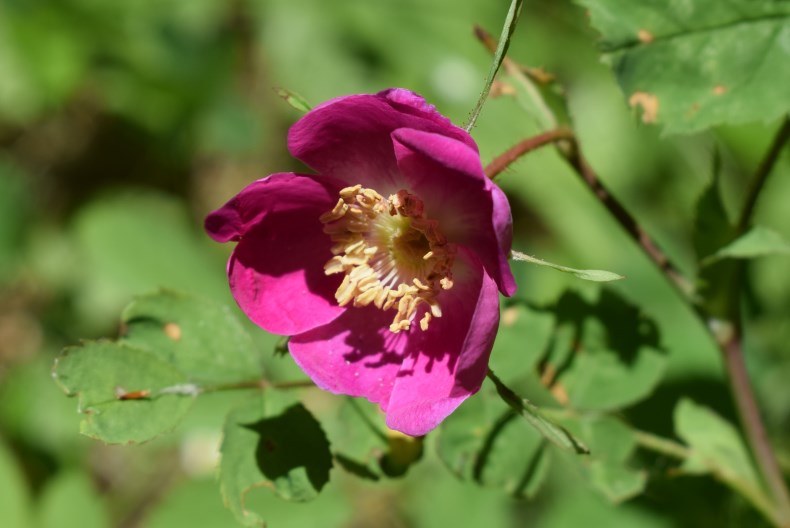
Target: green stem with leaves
731,345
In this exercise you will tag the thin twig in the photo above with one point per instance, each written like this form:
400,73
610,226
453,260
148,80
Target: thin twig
504,160
761,174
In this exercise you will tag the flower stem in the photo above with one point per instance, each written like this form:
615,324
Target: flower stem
258,384
730,342
499,55
507,158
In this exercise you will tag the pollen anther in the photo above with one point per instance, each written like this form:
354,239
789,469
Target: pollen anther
392,255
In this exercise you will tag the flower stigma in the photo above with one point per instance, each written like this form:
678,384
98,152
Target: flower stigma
391,254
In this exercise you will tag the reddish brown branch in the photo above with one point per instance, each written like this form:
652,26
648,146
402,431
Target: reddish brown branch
504,160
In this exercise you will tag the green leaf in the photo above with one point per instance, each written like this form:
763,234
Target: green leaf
272,442
71,501
695,64
294,100
203,339
99,373
15,498
485,442
611,445
590,275
716,447
609,356
499,56
758,242
553,432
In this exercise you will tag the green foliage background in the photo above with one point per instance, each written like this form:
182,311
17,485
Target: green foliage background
123,123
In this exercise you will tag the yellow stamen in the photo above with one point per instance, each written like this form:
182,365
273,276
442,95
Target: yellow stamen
392,255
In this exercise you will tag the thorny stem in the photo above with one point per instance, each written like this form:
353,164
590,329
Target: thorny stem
731,346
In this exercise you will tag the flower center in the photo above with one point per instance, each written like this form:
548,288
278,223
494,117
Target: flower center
391,254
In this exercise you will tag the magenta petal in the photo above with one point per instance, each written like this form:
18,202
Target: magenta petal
471,209
355,354
349,137
446,364
276,271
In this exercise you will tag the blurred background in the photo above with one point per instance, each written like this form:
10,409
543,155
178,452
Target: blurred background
123,123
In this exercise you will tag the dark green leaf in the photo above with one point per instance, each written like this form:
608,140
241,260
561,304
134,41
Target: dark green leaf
101,374
712,227
270,441
203,339
692,65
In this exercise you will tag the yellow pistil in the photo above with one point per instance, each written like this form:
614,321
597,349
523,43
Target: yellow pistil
392,255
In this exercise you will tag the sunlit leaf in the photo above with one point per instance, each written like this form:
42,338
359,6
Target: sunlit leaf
118,390
272,441
203,339
590,275
695,64
294,100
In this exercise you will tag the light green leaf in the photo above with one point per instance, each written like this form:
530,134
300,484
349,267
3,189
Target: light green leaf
758,242
101,373
590,275
294,100
695,64
272,442
203,339
499,56
717,448
71,501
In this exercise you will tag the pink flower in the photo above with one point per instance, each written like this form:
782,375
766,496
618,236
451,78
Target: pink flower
386,266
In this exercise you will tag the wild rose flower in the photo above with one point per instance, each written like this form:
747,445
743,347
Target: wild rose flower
386,266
